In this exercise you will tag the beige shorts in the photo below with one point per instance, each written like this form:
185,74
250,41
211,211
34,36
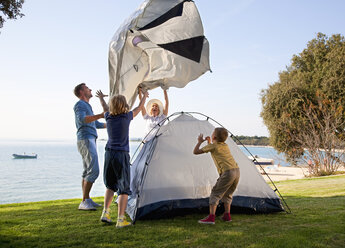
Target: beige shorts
225,187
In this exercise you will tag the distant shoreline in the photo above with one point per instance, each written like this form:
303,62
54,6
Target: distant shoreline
256,146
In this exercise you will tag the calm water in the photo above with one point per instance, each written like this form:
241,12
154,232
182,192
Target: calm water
56,173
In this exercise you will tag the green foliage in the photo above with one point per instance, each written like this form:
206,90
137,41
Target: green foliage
317,72
252,140
10,9
316,221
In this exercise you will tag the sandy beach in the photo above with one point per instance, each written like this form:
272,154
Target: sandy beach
279,173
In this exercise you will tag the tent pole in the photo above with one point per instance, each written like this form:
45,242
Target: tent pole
153,143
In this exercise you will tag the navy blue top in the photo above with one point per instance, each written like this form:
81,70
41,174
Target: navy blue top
118,131
85,130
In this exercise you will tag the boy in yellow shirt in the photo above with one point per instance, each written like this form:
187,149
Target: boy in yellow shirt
229,173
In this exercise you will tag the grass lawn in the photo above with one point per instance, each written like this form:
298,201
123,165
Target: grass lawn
317,220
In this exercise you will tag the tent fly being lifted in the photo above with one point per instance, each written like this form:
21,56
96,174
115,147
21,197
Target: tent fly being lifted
167,179
161,44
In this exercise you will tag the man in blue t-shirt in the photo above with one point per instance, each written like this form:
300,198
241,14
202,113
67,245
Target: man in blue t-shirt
87,123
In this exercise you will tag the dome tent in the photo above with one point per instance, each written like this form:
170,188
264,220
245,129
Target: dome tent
167,179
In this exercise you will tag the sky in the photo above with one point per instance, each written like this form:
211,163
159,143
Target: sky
59,44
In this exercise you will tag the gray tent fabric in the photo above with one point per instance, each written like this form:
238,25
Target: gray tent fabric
162,44
167,179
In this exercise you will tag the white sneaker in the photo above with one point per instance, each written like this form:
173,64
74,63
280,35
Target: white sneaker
85,205
92,203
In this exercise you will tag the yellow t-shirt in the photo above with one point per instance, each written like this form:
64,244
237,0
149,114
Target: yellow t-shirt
221,155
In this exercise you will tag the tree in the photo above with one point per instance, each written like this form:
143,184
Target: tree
320,137
10,10
315,77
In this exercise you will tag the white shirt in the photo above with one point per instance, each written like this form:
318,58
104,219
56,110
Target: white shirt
151,122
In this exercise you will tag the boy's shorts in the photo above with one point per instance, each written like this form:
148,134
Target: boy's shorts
116,173
88,151
225,187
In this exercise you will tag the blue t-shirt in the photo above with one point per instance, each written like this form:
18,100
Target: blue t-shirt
85,130
118,131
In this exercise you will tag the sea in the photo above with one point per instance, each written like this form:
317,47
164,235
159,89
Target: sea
56,172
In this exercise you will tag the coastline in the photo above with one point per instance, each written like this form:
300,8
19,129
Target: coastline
282,173
256,146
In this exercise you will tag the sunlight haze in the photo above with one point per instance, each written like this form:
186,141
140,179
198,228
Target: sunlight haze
59,44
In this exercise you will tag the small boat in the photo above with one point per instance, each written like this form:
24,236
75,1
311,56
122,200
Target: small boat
24,155
261,161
